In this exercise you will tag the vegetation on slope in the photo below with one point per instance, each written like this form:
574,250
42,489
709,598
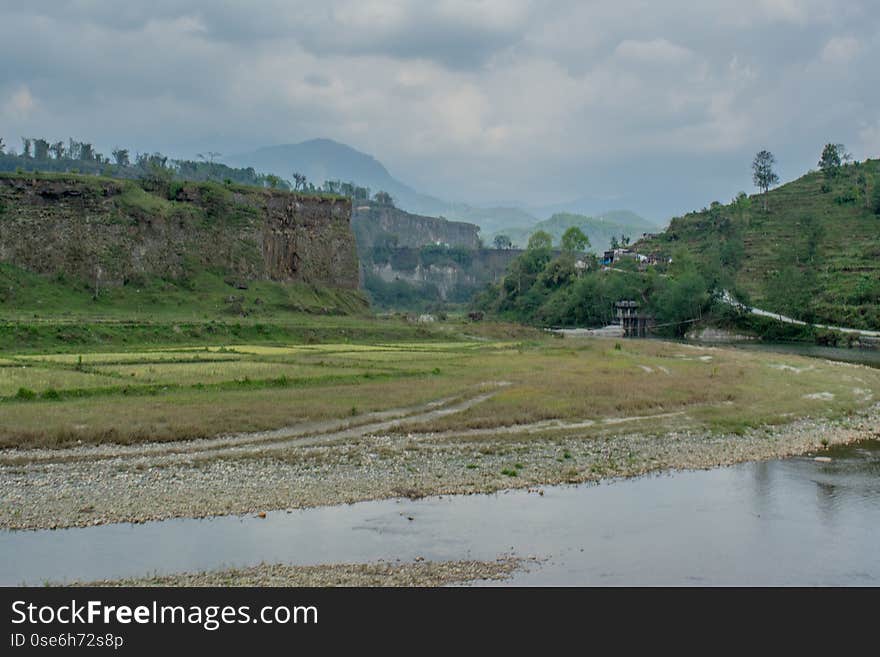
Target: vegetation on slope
814,254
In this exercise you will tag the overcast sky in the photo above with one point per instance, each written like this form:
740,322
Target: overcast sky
659,103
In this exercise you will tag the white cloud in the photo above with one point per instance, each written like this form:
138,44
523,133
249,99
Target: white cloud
20,105
840,50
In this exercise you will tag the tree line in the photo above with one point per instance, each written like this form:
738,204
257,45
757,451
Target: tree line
73,156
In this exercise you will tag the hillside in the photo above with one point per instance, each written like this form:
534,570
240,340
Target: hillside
814,254
71,243
599,229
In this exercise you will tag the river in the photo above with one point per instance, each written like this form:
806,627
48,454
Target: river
792,521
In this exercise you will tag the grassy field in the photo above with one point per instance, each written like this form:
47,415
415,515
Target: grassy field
197,391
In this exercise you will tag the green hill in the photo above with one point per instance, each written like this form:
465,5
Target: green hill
599,229
814,254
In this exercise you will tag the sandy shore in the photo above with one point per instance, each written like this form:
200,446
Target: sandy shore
419,573
60,489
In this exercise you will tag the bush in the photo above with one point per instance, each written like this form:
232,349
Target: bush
25,394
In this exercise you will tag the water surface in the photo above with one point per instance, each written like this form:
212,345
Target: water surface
792,521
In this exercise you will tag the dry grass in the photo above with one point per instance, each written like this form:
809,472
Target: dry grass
718,389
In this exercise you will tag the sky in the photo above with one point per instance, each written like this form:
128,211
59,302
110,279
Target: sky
661,105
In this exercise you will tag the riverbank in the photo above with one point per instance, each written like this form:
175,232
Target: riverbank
83,493
418,573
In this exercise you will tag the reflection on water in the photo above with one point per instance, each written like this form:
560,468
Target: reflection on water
795,521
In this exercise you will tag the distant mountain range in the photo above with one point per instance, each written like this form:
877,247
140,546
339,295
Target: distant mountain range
599,229
325,159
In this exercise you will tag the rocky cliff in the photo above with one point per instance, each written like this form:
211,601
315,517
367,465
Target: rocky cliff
385,225
111,231
449,274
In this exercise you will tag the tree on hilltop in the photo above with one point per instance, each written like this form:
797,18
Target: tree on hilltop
383,198
58,150
120,155
502,242
833,157
763,174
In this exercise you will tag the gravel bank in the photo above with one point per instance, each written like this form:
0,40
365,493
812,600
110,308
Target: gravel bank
420,573
136,487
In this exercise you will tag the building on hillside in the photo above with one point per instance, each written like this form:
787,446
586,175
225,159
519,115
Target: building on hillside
616,255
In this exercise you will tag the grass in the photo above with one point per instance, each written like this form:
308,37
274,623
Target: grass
188,392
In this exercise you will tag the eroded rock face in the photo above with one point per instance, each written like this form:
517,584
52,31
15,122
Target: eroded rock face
375,225
86,227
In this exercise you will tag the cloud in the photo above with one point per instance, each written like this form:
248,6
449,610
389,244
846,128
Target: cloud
840,49
20,105
484,101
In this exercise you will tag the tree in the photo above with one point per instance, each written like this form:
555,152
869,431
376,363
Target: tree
763,174
574,240
120,156
86,151
58,150
41,149
273,181
540,241
383,198
299,181
2,146
502,242
25,147
831,159
614,243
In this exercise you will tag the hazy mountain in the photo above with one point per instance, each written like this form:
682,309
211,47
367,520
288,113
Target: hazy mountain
599,229
325,159
590,206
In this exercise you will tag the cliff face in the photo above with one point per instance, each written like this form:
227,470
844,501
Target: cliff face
113,230
377,225
461,276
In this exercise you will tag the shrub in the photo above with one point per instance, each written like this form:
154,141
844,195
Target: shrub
25,394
